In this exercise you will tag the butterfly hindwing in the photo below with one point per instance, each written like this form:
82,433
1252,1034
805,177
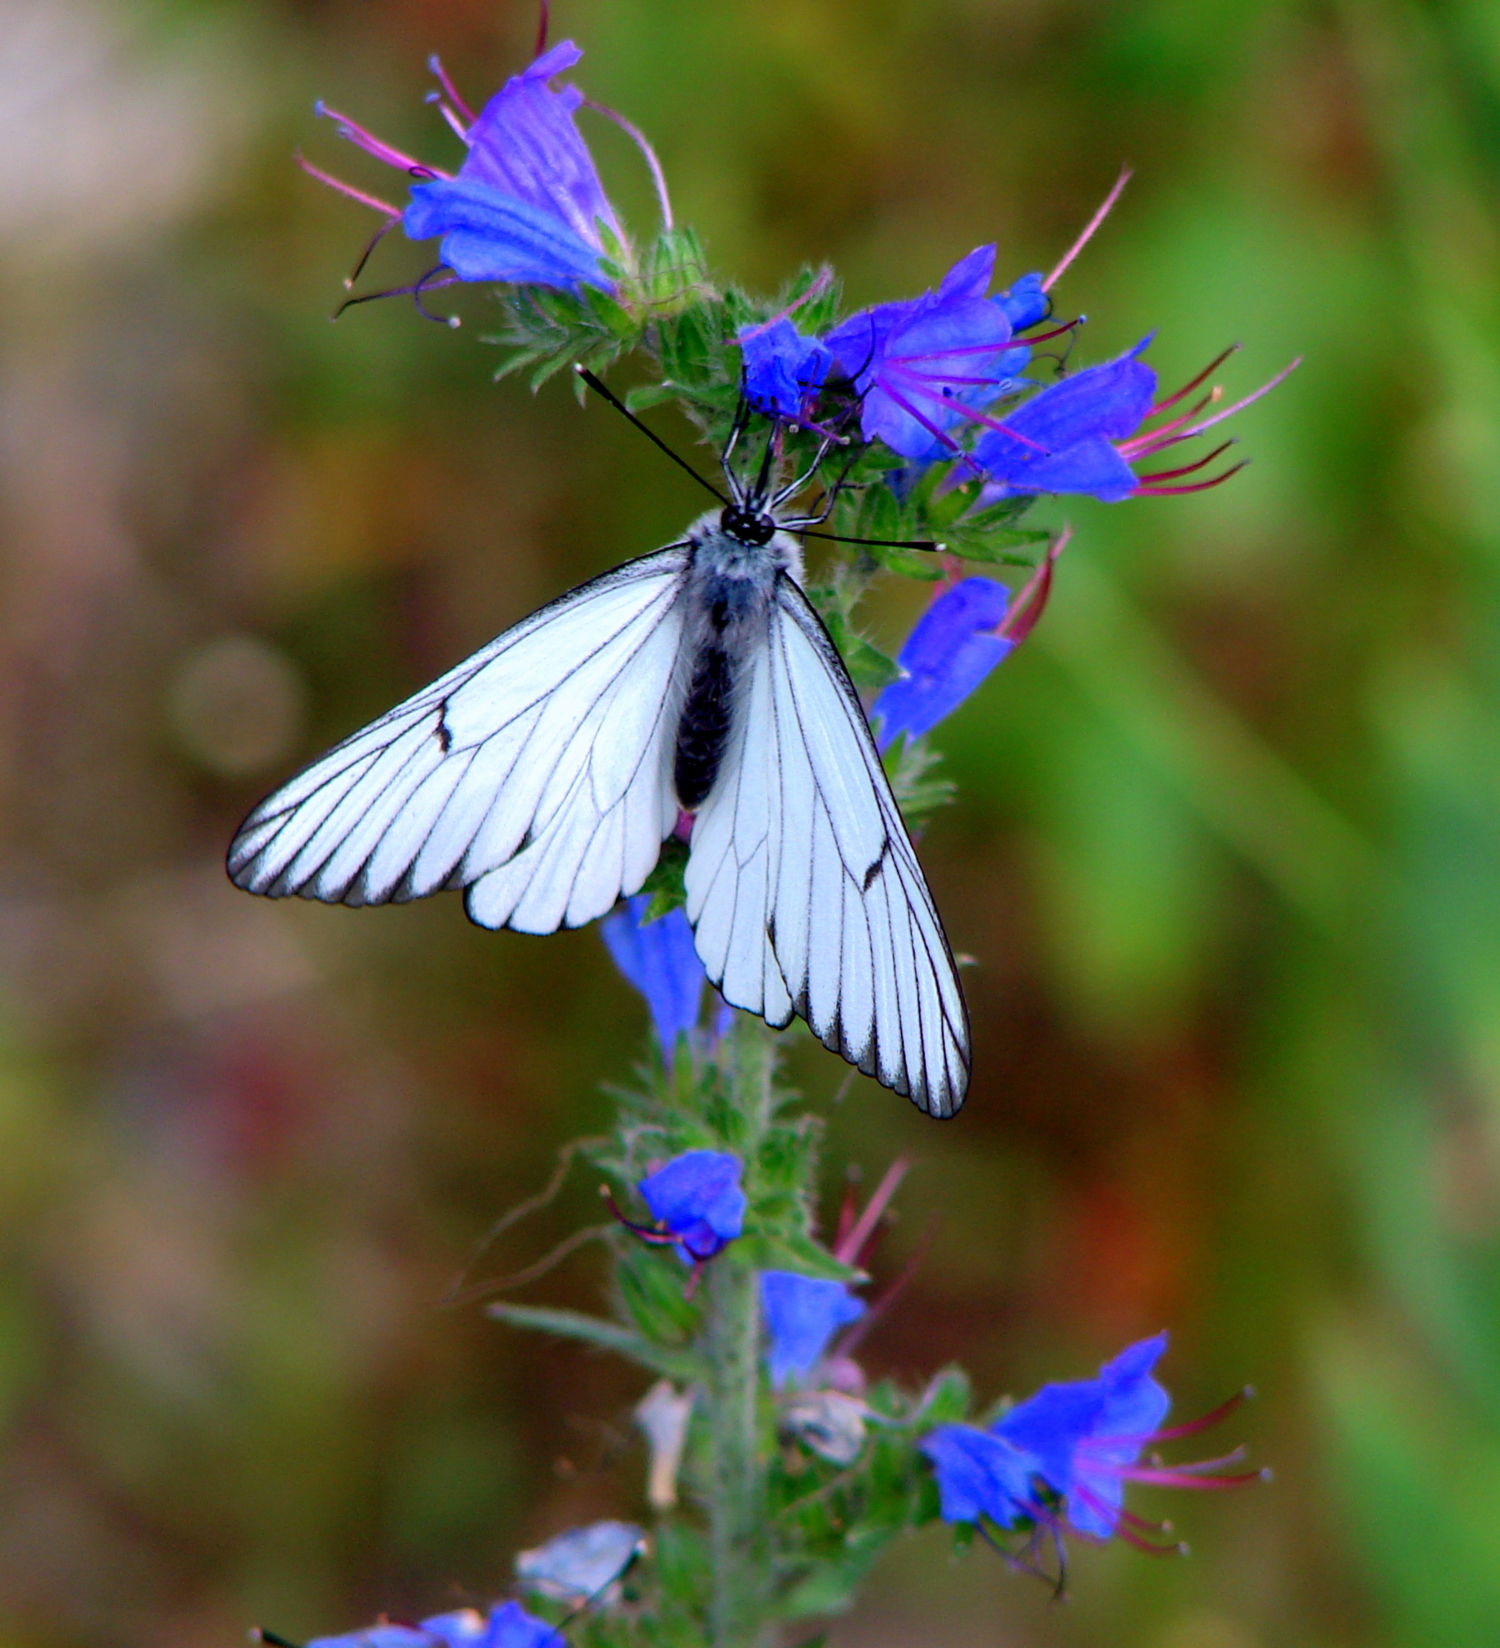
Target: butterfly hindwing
803,888
537,773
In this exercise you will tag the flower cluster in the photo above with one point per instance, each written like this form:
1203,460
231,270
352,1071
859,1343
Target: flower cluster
1065,1454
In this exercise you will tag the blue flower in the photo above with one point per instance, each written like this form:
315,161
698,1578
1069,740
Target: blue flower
1086,1438
659,959
1025,303
1064,439
697,1196
802,1314
925,364
527,205
949,652
508,1626
783,369
980,1475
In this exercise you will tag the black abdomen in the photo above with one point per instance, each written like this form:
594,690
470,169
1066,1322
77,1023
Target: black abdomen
703,730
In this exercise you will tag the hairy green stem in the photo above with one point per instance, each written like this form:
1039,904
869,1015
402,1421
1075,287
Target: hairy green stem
732,1341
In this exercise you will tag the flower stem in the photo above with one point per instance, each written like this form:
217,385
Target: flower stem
732,1341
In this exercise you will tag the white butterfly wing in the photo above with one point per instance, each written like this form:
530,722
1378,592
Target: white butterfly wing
537,773
802,885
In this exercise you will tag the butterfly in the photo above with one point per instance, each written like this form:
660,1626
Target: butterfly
543,774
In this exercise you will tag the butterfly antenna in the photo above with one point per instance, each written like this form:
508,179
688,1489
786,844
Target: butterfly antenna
600,388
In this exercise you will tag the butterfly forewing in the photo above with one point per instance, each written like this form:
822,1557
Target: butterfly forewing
802,883
549,749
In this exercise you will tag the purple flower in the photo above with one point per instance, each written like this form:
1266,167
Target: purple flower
979,1475
697,1196
508,1626
925,364
1085,433
1085,1439
659,959
1063,439
526,205
949,652
802,1314
1025,303
783,369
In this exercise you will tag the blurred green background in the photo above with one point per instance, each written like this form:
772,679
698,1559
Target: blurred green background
1227,855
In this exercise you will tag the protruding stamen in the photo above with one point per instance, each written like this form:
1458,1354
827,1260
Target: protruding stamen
1192,383
1088,229
456,125
364,256
450,91
425,284
1187,469
653,165
371,144
1191,1427
1250,399
542,20
848,1250
1027,608
1195,486
375,204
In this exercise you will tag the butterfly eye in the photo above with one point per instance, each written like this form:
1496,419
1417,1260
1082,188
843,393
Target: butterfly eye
749,526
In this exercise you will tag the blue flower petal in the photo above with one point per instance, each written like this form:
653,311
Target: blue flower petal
526,145
697,1196
945,658
659,959
978,1475
802,1314
1059,440
510,1626
488,235
381,1636
1025,303
783,369
463,1628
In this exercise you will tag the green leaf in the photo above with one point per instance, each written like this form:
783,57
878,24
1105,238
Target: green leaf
606,1335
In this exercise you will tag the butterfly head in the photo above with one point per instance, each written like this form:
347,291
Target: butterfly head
747,523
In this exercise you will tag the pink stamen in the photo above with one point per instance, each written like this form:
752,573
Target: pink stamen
653,165
454,123
373,145
1192,383
819,284
542,21
1088,229
848,1249
1187,469
916,381
450,91
1191,1427
1182,1479
1027,608
382,206
1168,433
1117,1520
1249,400
880,1306
1196,486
